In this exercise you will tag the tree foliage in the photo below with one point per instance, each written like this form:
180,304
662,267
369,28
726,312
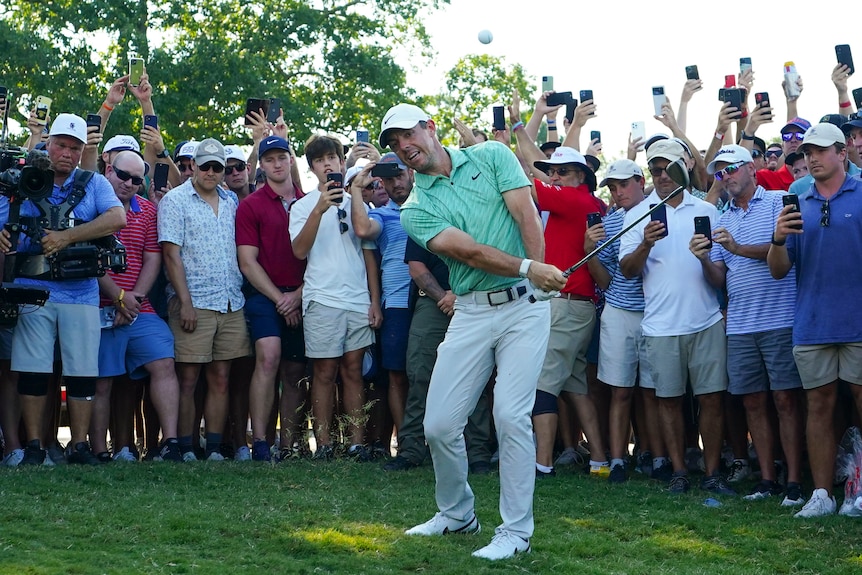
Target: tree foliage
331,62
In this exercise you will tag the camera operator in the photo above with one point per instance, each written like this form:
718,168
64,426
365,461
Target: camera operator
71,314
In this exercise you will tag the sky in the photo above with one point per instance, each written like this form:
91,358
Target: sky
621,49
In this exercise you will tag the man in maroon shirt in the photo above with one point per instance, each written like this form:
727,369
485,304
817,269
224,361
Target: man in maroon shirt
273,308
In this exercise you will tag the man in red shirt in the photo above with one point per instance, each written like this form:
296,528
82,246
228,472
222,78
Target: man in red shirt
791,136
274,306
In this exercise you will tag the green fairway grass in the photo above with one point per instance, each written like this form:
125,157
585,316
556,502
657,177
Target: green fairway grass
343,517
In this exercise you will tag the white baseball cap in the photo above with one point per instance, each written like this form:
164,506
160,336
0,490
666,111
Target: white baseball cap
403,117
122,143
823,135
233,152
69,125
566,155
621,170
188,150
731,154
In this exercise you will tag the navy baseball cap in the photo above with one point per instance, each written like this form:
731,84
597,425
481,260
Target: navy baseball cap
272,143
392,158
850,124
800,123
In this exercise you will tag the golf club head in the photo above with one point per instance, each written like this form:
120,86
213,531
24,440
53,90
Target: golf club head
678,173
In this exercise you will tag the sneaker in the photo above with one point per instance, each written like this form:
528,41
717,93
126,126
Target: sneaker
663,473
852,507
13,458
678,484
379,452
764,489
215,456
569,456
125,454
820,504
323,453
716,484
359,453
34,456
243,453
442,525
503,546
543,474
57,454
104,457
600,471
644,463
793,495
170,451
617,474
81,454
259,450
400,463
739,471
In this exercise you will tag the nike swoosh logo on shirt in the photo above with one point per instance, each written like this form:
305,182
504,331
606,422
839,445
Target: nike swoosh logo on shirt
477,175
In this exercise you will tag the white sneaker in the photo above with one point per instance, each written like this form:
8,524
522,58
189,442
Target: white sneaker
820,504
13,458
852,507
189,456
215,456
503,546
242,454
124,455
442,525
739,471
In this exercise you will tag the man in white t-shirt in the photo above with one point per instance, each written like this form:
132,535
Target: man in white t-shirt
338,315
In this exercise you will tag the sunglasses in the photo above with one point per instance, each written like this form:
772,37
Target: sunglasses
214,166
184,166
792,136
240,167
824,214
560,171
126,176
656,172
756,154
342,225
773,153
727,171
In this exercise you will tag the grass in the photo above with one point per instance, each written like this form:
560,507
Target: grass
347,518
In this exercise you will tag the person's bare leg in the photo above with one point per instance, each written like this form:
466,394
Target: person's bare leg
354,394
762,434
99,420
820,429
620,420
187,374
790,425
589,423
293,405
672,427
397,396
216,405
545,428
711,429
267,352
165,394
10,408
239,397
323,398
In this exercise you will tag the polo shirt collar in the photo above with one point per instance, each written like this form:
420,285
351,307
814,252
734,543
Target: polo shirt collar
457,157
134,206
847,186
758,195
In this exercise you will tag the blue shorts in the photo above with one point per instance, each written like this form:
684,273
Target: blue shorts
761,361
6,343
393,338
126,349
264,321
593,350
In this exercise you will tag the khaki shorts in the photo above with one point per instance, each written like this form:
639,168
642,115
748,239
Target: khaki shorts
331,332
217,337
700,357
822,364
622,352
565,365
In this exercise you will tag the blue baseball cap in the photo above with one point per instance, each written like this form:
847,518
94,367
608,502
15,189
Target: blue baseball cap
800,123
272,143
392,158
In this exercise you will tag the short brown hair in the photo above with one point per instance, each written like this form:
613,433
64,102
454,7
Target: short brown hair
318,146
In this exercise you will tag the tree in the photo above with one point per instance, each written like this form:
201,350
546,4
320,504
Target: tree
329,61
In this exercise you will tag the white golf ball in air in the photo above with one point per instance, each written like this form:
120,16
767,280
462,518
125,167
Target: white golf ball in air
485,36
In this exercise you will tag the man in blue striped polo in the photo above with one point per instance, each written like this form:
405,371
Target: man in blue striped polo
760,314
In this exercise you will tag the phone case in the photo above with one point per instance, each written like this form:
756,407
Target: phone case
160,177
362,136
842,52
151,120
255,105
691,73
594,219
639,131
595,135
703,226
558,98
660,214
43,109
658,99
273,110
499,118
857,98
547,83
744,64
136,70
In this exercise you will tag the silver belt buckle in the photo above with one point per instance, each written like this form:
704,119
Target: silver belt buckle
500,297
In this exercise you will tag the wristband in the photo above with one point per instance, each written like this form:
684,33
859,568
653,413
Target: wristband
552,122
776,242
844,104
747,136
552,127
107,107
120,298
163,154
516,125
525,267
719,136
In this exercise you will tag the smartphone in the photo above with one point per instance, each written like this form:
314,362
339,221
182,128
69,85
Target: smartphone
94,120
274,110
151,120
762,99
660,214
691,73
43,109
596,135
792,200
703,226
559,98
499,118
136,70
587,95
255,105
744,64
730,81
570,110
547,84
160,177
386,170
639,131
658,99
339,178
362,136
734,97
857,98
594,219
842,52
